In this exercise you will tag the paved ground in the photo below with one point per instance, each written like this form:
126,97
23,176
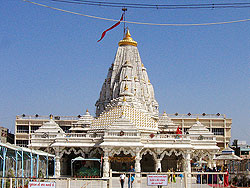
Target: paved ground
116,184
143,184
139,183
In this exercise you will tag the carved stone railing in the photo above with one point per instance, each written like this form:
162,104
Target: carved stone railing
76,135
202,138
122,134
82,135
43,136
165,136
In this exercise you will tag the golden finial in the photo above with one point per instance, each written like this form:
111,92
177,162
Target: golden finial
148,81
126,87
142,65
87,110
197,119
126,77
124,99
51,116
127,40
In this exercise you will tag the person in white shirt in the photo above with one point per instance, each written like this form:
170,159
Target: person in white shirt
122,180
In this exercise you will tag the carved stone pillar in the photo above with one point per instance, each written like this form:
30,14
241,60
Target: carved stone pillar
158,165
137,163
213,161
188,167
106,165
57,162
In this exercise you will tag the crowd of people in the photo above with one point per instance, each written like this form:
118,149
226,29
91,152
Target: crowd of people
206,178
131,177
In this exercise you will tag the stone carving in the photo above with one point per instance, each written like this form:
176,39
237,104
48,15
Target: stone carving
168,153
121,149
65,151
150,152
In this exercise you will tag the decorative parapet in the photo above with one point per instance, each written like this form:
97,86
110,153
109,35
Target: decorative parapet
194,116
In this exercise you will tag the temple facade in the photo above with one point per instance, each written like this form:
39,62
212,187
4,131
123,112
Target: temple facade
127,129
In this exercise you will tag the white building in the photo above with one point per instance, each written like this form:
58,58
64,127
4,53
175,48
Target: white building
127,128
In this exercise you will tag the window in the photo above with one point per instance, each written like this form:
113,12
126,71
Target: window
34,128
22,129
244,152
65,128
218,131
22,143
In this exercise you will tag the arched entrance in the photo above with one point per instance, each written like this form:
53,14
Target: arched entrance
172,162
66,156
66,164
147,163
121,162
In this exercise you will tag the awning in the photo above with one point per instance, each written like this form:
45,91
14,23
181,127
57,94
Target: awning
83,159
17,148
228,157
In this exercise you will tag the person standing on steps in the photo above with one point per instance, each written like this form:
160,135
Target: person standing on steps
122,180
131,176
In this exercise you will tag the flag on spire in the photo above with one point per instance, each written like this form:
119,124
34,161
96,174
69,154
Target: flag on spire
112,27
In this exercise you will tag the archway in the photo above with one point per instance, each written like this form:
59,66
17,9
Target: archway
66,156
121,162
172,162
66,164
147,163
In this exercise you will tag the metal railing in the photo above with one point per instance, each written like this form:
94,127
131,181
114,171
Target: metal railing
175,179
42,117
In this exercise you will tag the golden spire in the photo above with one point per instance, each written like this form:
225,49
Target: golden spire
127,40
126,87
197,119
124,99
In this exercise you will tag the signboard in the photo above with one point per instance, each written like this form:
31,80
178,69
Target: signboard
157,180
36,184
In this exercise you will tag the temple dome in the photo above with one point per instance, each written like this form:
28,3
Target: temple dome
83,124
50,127
199,129
127,77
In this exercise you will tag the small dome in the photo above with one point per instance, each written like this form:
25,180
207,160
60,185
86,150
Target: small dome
127,40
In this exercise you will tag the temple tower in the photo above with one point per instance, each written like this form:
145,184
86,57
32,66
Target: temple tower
127,79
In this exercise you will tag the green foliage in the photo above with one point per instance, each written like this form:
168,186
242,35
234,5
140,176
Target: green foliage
10,174
83,171
41,174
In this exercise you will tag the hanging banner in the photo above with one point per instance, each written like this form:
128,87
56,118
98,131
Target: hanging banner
35,184
122,159
154,180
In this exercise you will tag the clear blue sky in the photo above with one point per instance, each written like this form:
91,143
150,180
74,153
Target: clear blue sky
50,62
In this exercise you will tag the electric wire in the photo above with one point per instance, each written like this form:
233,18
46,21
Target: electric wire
139,23
156,6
